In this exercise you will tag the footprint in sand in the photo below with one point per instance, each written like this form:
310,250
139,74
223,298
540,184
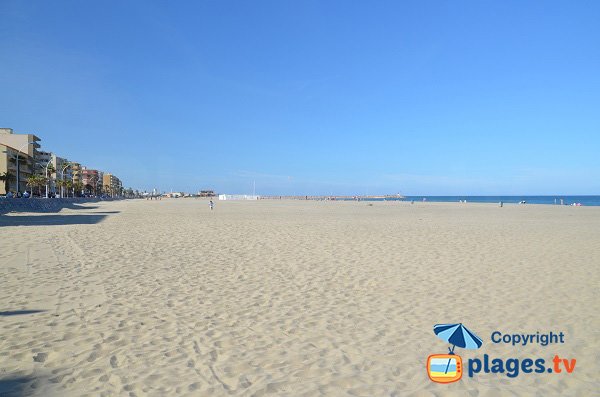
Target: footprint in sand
113,362
196,347
57,379
40,357
93,356
194,386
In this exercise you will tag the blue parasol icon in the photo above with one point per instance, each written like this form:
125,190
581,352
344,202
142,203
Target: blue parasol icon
458,335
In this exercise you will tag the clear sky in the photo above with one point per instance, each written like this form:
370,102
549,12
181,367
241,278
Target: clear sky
306,97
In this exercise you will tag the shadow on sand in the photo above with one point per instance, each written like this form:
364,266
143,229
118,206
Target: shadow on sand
15,386
19,312
51,220
40,205
81,207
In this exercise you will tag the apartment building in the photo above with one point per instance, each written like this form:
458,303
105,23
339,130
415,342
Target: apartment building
8,169
42,160
32,160
112,185
21,148
76,170
92,180
61,167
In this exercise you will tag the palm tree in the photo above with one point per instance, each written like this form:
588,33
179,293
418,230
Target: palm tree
63,168
36,181
69,186
51,171
6,177
62,183
42,181
32,182
78,186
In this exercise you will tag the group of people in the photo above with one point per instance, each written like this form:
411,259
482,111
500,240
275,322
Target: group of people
25,194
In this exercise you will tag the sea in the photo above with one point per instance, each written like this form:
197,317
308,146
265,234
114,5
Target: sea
551,200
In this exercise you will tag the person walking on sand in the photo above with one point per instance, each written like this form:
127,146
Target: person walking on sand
211,205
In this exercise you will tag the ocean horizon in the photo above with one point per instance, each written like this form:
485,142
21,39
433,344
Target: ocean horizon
591,200
583,200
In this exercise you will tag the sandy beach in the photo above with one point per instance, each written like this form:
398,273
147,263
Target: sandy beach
292,298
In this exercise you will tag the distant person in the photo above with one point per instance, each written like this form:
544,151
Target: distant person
10,195
501,203
211,205
26,194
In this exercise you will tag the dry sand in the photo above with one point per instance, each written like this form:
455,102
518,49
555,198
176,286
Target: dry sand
291,298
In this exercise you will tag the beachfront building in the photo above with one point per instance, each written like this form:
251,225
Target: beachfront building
206,193
112,185
41,161
13,148
63,168
76,169
92,181
25,143
8,170
65,178
61,172
76,177
43,168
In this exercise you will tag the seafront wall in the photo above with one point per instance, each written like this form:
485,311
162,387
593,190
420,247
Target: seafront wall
44,205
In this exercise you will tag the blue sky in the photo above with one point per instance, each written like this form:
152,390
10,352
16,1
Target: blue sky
305,97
